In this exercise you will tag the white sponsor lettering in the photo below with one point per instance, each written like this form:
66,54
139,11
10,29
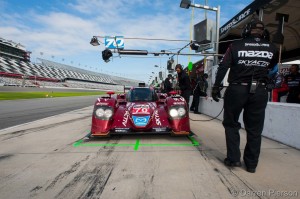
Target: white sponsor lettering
235,20
256,44
254,63
125,118
178,103
101,103
178,99
141,109
252,53
157,118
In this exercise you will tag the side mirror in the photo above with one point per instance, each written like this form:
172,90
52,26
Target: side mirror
110,93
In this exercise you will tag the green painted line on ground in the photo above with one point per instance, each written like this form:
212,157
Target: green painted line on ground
76,144
136,147
97,144
194,141
167,144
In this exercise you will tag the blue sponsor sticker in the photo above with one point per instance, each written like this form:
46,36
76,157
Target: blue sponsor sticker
140,121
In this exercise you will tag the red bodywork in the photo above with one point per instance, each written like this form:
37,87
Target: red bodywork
140,117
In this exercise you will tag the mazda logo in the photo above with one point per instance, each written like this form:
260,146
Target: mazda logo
141,119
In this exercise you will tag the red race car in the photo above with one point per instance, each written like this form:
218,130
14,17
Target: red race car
141,110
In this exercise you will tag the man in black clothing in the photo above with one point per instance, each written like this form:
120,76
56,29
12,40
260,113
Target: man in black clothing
293,82
184,83
168,84
249,61
199,90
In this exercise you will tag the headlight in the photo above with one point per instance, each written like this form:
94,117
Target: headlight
173,112
177,112
100,112
104,112
181,112
108,113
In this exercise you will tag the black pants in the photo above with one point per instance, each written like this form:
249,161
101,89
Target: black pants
196,100
236,99
293,98
186,95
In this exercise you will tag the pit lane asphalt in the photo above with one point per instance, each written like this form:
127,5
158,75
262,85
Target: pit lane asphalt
41,160
16,112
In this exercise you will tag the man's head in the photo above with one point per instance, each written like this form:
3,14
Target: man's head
255,27
205,75
294,69
170,76
178,68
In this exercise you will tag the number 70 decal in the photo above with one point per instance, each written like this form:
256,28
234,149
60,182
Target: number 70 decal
114,42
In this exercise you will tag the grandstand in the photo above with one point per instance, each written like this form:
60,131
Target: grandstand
13,50
15,71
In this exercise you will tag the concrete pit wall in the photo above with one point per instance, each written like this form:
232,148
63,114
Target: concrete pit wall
282,121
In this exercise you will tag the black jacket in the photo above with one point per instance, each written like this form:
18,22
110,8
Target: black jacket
167,85
184,81
201,87
248,57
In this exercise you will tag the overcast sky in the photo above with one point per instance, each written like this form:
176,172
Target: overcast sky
60,30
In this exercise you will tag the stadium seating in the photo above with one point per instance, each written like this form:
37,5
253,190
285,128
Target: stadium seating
53,74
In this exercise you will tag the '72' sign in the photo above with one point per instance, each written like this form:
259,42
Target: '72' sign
114,42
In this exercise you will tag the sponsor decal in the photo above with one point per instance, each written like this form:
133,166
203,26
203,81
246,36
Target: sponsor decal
125,118
141,109
157,118
130,105
235,20
178,99
293,82
284,70
140,121
160,129
121,129
179,103
101,104
254,63
254,53
257,44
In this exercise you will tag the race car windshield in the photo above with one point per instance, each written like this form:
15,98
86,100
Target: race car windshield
141,95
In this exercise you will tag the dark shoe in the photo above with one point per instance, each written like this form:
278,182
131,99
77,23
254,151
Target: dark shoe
192,109
196,112
251,170
232,164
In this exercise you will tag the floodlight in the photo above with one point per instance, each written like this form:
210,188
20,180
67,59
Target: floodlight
185,4
94,41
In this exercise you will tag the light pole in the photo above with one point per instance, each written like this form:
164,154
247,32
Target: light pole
187,3
163,70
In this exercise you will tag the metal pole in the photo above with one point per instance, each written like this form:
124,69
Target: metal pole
280,46
261,14
217,35
205,12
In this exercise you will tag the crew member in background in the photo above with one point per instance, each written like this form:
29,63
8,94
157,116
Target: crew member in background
199,90
168,83
277,87
183,83
249,60
162,87
293,82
